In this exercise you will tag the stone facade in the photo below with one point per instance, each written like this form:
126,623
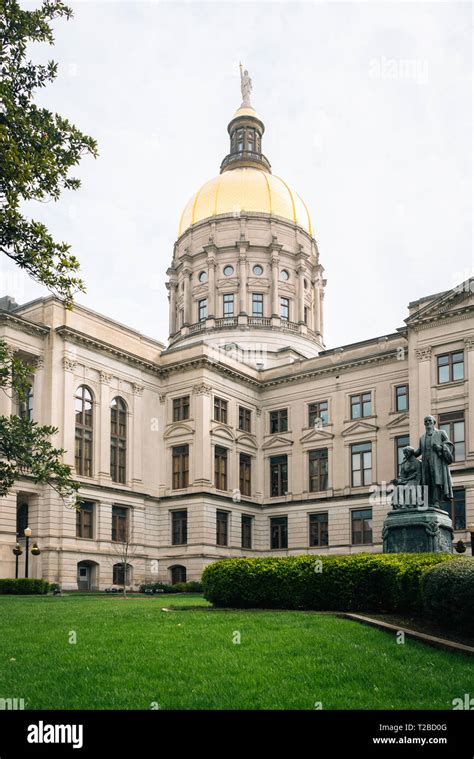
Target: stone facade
261,364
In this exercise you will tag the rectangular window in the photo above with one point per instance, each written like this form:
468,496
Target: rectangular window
245,419
228,304
279,421
202,310
180,459
318,529
220,410
401,398
246,531
222,528
179,527
306,314
279,532
119,524
278,475
361,405
453,424
361,527
220,467
245,468
450,367
257,304
456,508
284,309
400,443
181,408
318,470
318,414
361,464
84,520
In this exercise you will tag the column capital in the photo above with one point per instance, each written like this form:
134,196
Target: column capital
424,354
69,364
202,389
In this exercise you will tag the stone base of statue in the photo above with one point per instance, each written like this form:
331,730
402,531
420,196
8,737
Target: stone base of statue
415,530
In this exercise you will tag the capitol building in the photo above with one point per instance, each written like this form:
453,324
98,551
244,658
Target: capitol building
245,435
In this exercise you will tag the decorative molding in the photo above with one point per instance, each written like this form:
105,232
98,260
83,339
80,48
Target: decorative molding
162,397
469,343
202,389
69,364
247,439
23,325
360,428
424,354
224,432
105,378
258,412
400,420
177,430
39,362
276,441
317,435
137,389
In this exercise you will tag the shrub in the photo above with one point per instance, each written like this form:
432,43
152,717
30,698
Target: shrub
23,586
448,593
359,582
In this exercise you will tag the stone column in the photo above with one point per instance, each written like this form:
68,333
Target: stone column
301,294
469,372
187,297
135,457
422,401
68,421
321,311
103,436
38,390
202,462
172,299
275,274
212,287
243,283
316,309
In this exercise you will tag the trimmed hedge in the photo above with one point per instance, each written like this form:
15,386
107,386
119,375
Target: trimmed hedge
448,593
24,586
359,582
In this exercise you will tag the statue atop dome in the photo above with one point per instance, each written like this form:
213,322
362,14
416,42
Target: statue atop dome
245,86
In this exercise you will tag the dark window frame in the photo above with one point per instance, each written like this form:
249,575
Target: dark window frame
245,419
450,419
246,531
222,528
179,527
221,467
85,520
450,363
318,529
181,407
278,421
118,440
360,400
120,524
399,396
366,532
84,431
278,476
360,453
278,533
180,466
245,474
318,480
221,406
315,411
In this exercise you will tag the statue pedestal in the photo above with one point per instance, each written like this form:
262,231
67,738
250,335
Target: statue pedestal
414,530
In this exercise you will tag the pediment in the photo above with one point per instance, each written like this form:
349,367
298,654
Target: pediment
316,434
177,430
249,440
360,428
453,300
222,432
400,420
277,441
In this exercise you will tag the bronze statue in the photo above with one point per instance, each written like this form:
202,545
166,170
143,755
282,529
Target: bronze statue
437,452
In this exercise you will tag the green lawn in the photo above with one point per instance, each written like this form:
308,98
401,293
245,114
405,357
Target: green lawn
129,654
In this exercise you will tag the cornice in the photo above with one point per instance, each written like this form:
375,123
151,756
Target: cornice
23,325
80,338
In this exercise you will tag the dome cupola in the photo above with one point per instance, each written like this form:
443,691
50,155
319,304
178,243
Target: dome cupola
245,270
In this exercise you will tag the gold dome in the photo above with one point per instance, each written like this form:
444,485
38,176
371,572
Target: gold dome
245,189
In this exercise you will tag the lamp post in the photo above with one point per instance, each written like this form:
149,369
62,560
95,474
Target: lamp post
27,534
470,528
18,550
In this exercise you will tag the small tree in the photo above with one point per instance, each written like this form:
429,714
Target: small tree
37,150
125,550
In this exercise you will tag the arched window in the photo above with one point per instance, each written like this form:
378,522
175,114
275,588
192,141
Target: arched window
178,574
84,431
118,440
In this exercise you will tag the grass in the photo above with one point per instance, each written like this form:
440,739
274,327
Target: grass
130,654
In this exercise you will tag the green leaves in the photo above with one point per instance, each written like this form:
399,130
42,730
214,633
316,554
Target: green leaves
37,150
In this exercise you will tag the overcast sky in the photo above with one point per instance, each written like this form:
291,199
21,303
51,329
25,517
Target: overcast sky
367,108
